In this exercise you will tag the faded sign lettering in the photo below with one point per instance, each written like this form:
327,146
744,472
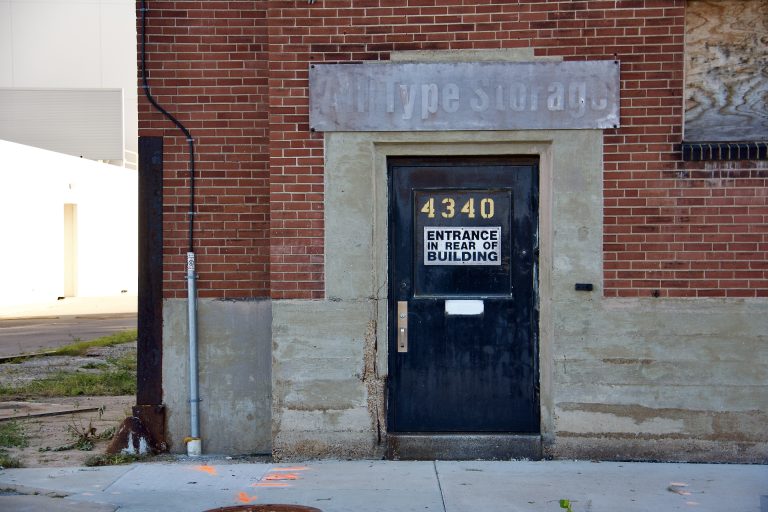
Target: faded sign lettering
464,96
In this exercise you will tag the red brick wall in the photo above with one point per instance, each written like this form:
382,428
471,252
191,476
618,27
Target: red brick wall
672,229
207,66
698,231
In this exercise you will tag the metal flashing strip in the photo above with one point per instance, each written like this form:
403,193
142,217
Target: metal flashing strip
724,151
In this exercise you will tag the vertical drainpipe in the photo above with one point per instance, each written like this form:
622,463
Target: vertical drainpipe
194,442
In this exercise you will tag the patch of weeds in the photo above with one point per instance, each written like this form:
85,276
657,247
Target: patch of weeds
95,366
17,360
84,437
6,461
116,376
79,348
111,460
107,383
63,448
126,362
107,434
566,504
12,435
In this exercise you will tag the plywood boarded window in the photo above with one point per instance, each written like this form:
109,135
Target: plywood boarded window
726,82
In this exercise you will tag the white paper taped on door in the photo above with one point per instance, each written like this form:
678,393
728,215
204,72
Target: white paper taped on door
462,245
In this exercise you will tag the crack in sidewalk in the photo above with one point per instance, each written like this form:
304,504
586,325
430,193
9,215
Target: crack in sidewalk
439,486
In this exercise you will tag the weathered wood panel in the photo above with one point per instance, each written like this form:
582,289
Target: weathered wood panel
726,70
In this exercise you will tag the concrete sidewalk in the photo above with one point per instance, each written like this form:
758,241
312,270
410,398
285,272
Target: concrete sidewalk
394,486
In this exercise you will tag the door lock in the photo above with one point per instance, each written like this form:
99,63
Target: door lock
402,326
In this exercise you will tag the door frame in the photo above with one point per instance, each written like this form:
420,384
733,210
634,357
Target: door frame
356,239
465,161
357,205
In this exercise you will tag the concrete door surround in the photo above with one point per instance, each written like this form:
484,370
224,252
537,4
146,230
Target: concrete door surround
356,218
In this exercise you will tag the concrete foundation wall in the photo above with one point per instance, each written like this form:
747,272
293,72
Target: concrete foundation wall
326,387
234,372
661,380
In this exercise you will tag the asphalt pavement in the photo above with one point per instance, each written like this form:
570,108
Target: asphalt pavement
38,327
29,335
393,486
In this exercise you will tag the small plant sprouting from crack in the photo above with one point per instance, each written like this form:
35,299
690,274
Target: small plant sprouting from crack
85,437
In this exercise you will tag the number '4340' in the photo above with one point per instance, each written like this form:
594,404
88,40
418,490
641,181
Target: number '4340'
447,208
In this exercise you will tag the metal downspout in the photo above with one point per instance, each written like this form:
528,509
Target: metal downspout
194,443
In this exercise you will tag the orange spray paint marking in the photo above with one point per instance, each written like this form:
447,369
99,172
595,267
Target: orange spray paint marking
297,468
207,469
244,498
285,476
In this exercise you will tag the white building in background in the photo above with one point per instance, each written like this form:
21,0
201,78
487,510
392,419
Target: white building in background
68,226
68,149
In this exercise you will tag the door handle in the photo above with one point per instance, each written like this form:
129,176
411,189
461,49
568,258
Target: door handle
402,326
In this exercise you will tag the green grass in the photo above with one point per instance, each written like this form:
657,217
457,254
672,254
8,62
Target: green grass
6,461
120,379
111,460
12,435
116,377
95,366
112,382
79,348
126,362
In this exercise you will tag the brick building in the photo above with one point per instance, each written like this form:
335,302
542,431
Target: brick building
614,149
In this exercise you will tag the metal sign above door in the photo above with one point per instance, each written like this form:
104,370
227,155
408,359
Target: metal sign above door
464,96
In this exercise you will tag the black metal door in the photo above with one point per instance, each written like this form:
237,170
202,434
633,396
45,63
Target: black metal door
463,349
